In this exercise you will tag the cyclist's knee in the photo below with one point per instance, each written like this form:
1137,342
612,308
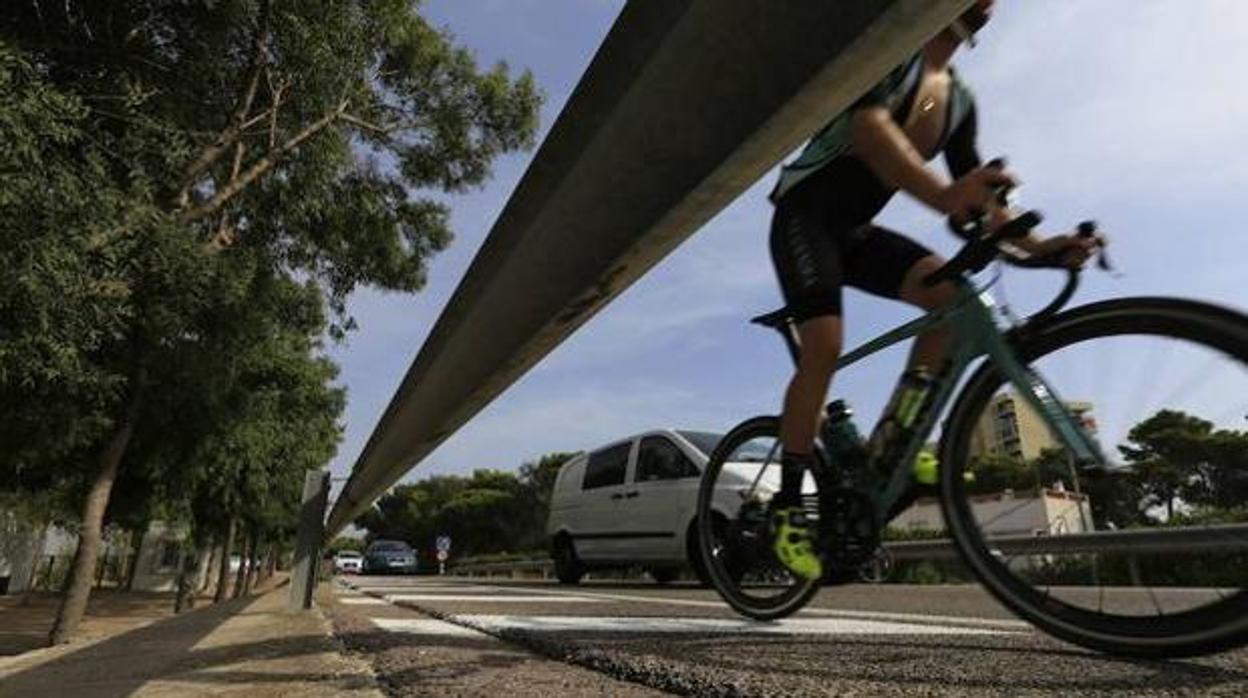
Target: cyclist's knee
821,344
915,292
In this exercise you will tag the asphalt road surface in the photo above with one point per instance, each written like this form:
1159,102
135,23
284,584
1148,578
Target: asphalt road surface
448,636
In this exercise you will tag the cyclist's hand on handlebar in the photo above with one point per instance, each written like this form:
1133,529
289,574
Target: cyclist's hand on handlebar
1069,251
971,195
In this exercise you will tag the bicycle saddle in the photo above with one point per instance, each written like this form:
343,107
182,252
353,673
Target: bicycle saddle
775,319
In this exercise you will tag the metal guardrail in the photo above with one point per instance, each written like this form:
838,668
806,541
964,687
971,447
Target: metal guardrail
1224,537
1139,540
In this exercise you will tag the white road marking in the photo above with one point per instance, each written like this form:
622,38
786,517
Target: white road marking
422,588
788,626
421,626
362,601
483,598
1000,623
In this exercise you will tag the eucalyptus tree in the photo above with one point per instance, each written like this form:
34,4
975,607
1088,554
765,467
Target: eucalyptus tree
186,138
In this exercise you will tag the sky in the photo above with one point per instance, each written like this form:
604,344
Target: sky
1131,112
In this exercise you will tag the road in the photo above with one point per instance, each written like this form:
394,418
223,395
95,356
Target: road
433,634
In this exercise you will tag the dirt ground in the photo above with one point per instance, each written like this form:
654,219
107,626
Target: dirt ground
25,627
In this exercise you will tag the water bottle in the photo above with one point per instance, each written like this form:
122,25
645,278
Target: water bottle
842,440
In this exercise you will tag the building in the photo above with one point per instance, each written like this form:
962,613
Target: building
1053,512
37,557
1011,426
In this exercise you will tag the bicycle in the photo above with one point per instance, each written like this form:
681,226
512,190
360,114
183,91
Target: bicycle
1088,576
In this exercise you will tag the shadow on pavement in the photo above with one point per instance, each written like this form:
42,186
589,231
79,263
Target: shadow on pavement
166,650
25,620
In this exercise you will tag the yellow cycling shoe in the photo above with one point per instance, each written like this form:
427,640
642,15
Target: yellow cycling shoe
793,544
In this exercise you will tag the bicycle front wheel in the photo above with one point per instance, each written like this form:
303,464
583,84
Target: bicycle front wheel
733,498
1146,552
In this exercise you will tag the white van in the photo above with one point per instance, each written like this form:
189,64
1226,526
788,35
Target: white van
632,502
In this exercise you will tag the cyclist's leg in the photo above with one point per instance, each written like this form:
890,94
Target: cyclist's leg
807,257
931,347
820,339
793,541
886,263
806,252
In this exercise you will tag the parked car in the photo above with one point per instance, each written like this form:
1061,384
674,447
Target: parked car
634,503
348,562
389,557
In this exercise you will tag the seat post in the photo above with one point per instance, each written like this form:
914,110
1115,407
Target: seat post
782,321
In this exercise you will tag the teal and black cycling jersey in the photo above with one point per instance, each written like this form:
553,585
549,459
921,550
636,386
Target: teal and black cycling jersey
896,92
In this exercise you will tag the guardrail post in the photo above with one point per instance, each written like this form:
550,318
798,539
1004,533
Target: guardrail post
303,574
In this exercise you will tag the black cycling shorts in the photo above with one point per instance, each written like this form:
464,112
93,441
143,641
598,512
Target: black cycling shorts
815,254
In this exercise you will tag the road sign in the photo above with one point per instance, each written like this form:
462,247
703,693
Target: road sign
442,555
444,544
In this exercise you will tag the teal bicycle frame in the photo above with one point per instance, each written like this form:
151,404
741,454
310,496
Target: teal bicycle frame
972,316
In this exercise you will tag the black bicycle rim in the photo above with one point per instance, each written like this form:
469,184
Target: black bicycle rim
1215,626
784,602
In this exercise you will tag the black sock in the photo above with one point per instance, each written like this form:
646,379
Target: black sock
793,468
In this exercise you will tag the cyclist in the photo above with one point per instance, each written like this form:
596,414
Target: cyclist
822,237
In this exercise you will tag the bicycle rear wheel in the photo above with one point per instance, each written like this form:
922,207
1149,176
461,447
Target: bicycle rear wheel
1147,554
736,488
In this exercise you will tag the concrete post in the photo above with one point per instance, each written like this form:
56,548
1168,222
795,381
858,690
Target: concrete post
308,541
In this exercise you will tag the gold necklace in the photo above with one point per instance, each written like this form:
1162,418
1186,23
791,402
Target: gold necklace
926,105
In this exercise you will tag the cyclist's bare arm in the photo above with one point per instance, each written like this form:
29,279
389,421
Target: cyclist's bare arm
886,149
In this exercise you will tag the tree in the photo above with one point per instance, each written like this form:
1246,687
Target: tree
995,472
162,198
1166,452
491,511
1221,481
346,543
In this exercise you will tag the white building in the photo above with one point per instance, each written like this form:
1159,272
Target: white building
31,556
1054,511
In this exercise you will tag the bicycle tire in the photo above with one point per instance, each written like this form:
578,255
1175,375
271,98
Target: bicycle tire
1214,627
728,583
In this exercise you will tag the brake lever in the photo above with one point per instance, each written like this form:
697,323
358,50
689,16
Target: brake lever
1089,229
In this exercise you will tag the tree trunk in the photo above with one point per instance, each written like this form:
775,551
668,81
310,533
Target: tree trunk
270,560
136,546
182,596
188,571
223,575
206,581
101,566
253,574
202,567
248,551
79,588
272,563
